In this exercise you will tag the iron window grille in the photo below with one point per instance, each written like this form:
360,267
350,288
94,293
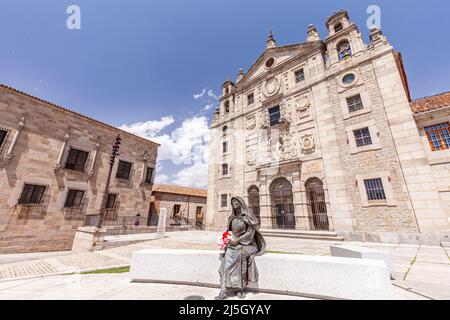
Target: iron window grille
250,99
176,211
224,169
123,170
362,137
74,199
274,115
32,194
374,189
354,103
76,160
299,75
223,200
149,175
438,136
111,201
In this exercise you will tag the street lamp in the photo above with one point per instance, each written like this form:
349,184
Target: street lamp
114,154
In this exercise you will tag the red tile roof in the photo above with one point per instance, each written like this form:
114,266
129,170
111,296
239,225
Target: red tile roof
165,188
431,103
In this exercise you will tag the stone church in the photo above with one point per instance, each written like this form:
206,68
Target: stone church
323,136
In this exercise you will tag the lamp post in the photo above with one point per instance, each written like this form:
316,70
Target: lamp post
114,154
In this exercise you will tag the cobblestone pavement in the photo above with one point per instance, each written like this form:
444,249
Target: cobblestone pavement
425,269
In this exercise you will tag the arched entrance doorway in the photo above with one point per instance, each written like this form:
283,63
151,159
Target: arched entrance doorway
253,201
317,206
282,204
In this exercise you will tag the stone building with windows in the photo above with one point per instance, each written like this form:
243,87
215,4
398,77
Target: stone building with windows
323,136
184,205
53,169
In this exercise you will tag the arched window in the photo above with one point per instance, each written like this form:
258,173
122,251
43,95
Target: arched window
344,50
227,106
338,27
224,130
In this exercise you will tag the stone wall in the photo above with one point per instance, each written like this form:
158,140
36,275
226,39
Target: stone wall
188,205
48,133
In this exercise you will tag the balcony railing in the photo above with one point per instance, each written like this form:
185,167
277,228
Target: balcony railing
31,211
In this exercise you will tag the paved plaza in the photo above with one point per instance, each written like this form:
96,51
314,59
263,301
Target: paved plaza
420,272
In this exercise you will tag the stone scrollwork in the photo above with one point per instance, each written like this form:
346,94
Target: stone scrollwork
302,104
271,87
251,122
308,143
263,119
251,157
285,112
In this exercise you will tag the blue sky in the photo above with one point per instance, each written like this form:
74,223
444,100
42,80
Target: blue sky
137,61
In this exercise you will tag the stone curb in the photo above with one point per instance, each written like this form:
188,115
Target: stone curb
68,272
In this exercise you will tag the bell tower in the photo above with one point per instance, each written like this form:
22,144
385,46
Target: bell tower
344,39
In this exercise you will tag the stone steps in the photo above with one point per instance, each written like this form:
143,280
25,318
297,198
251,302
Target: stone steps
300,234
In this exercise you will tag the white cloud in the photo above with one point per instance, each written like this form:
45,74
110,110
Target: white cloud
148,129
200,95
212,95
194,176
186,145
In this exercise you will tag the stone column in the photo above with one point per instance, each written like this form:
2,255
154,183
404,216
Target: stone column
94,158
61,152
264,205
9,153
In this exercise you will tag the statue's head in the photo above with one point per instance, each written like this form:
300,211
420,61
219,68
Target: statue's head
236,205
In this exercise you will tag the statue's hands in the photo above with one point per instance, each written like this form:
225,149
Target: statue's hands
233,242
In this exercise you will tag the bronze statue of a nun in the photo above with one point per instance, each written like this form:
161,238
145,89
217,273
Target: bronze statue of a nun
238,265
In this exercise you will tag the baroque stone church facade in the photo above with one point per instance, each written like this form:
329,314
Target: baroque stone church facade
323,135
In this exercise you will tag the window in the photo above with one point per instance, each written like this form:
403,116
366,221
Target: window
374,189
299,75
348,78
338,27
225,147
250,99
438,136
3,134
354,103
176,210
362,137
224,130
74,199
223,200
198,213
224,169
32,194
274,114
344,50
270,62
123,170
111,201
149,175
76,160
227,106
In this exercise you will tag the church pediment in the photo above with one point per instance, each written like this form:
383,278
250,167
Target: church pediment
273,57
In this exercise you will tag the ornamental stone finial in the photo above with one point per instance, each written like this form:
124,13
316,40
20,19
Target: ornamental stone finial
271,40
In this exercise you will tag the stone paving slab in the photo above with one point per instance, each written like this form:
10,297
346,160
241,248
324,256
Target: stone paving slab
110,287
430,268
